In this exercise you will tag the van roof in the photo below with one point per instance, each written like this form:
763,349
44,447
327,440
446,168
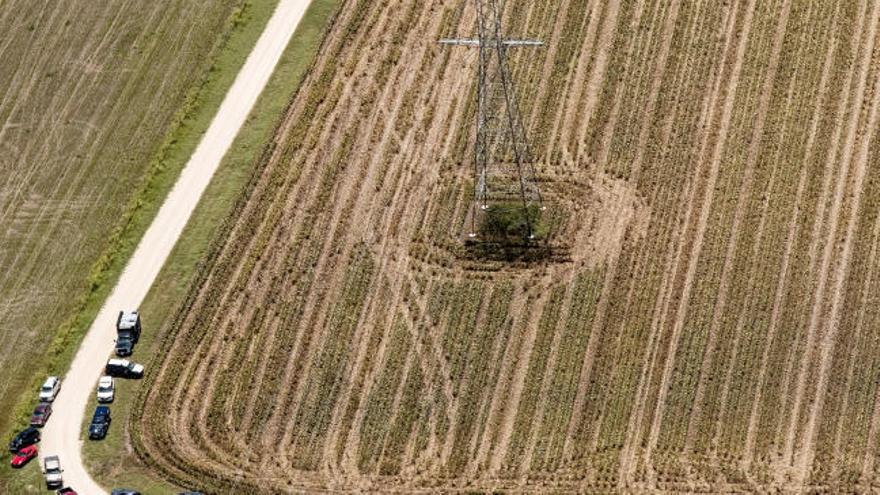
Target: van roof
127,319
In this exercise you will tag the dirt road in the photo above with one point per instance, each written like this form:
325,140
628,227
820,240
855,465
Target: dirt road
62,436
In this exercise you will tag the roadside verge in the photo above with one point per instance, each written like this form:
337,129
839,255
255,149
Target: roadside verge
113,462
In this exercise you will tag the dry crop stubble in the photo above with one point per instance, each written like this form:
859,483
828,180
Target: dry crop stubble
713,191
88,91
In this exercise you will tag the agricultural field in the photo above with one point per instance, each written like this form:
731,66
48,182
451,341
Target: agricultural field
88,93
705,321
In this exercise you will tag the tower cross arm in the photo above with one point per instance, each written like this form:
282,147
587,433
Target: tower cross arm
476,42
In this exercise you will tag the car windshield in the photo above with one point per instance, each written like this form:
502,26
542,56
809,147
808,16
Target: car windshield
46,388
39,412
105,388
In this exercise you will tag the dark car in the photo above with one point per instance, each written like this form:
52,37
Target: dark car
124,491
41,414
24,438
128,331
66,491
124,346
123,368
100,423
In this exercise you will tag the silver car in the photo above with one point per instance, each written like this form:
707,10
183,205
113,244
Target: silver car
50,389
106,389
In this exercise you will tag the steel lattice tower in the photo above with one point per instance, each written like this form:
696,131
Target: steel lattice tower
503,168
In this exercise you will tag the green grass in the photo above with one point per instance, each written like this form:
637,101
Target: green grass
111,461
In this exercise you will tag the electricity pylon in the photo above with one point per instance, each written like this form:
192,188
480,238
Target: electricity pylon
503,169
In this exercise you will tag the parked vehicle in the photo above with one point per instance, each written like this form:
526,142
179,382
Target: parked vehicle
123,368
100,423
41,414
66,491
52,471
50,389
28,436
24,456
128,332
124,491
105,389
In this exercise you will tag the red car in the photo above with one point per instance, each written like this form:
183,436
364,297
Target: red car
41,414
24,455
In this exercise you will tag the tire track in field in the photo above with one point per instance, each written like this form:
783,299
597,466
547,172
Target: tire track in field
859,337
547,375
628,461
869,63
573,90
700,228
869,459
63,188
294,184
310,331
359,201
834,216
255,274
518,377
400,248
499,395
590,95
751,433
815,236
667,33
742,205
656,81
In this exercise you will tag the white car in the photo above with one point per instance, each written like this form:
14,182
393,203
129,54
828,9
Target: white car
50,389
52,470
105,389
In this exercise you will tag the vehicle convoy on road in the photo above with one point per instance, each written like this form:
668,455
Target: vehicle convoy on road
50,389
28,436
100,423
52,471
123,368
106,389
41,414
24,456
128,332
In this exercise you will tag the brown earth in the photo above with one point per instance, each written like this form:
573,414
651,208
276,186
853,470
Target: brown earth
705,326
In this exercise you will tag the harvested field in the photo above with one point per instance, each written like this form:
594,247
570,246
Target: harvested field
88,91
707,322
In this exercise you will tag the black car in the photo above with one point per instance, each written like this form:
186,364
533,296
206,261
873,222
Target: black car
128,331
100,423
123,368
124,491
24,438
124,346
